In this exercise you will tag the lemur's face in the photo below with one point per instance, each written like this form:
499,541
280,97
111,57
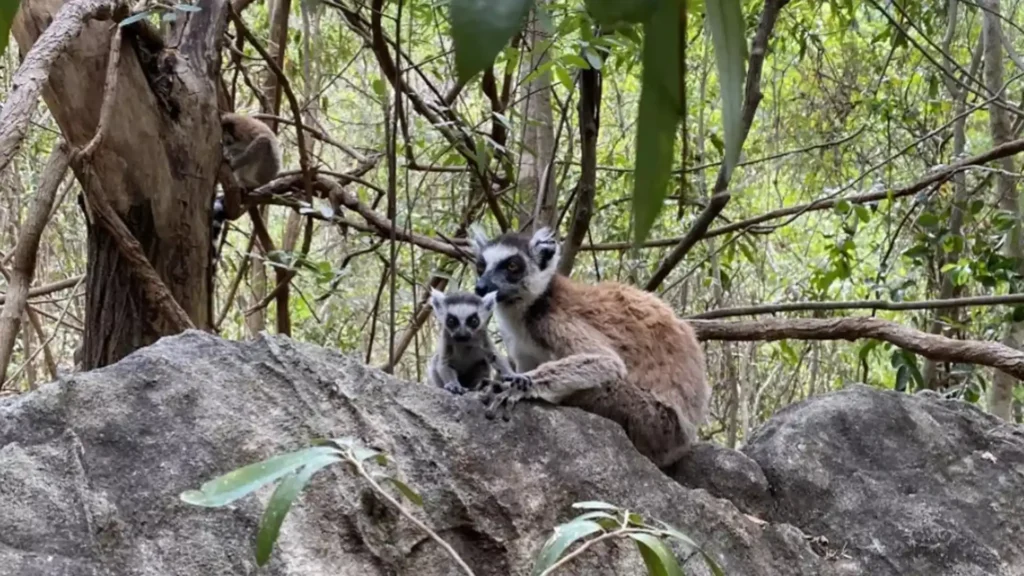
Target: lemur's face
462,314
515,267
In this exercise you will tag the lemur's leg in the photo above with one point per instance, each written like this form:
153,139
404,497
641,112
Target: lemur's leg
657,430
260,147
444,376
556,380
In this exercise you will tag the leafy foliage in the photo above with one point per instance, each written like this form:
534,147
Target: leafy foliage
8,10
294,469
603,521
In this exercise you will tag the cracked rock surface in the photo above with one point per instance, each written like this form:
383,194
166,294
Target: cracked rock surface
91,467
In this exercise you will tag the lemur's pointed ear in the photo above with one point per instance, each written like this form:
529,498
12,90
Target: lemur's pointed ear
544,248
437,301
477,238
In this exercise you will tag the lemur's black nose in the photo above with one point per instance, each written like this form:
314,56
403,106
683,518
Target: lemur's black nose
483,287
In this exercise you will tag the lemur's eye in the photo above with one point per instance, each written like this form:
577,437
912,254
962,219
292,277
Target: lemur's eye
473,322
513,266
452,322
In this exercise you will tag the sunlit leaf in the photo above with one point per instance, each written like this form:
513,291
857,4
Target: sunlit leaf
594,505
187,8
127,21
658,118
659,559
728,35
564,536
238,483
281,502
481,28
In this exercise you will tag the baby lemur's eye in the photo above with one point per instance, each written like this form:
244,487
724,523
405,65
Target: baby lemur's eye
473,321
452,322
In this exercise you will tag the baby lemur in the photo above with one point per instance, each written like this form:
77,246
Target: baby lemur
251,148
610,349
465,354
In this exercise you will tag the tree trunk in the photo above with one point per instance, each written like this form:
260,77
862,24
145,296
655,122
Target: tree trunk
538,198
156,164
1000,399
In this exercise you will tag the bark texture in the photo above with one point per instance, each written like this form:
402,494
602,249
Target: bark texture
156,165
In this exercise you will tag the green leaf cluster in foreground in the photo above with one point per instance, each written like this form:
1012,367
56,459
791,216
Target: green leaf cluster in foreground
600,521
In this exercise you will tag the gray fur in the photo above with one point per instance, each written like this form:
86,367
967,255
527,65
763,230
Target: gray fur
465,354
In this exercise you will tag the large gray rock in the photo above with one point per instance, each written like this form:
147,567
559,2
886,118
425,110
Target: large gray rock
91,468
901,484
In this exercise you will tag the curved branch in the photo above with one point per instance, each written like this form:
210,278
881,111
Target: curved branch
861,305
34,71
930,346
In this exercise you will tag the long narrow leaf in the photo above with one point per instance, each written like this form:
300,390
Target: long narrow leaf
238,483
8,10
560,541
728,34
660,111
481,28
281,502
659,559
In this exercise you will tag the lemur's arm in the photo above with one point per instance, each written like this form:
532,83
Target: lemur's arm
444,375
258,150
497,361
584,361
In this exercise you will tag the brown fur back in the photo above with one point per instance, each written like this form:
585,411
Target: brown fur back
660,351
243,128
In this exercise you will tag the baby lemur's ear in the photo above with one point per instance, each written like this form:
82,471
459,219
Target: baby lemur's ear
477,238
437,301
488,300
544,248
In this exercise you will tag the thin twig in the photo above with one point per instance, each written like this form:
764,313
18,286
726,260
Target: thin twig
358,465
28,361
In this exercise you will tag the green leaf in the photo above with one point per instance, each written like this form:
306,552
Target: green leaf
658,118
560,541
563,76
659,559
379,87
187,8
843,207
863,213
614,11
728,34
481,28
238,483
594,505
406,491
281,502
8,10
126,22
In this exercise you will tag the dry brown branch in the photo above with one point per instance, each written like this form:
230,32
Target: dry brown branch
49,288
24,268
236,282
31,76
931,346
936,177
860,305
28,361
37,327
100,210
720,195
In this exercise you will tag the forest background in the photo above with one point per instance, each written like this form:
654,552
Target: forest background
873,215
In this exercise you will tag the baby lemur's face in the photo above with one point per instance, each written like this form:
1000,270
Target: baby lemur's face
515,267
462,314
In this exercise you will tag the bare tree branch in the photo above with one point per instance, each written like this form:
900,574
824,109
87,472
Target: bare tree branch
932,346
24,268
31,76
720,196
860,305
936,177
